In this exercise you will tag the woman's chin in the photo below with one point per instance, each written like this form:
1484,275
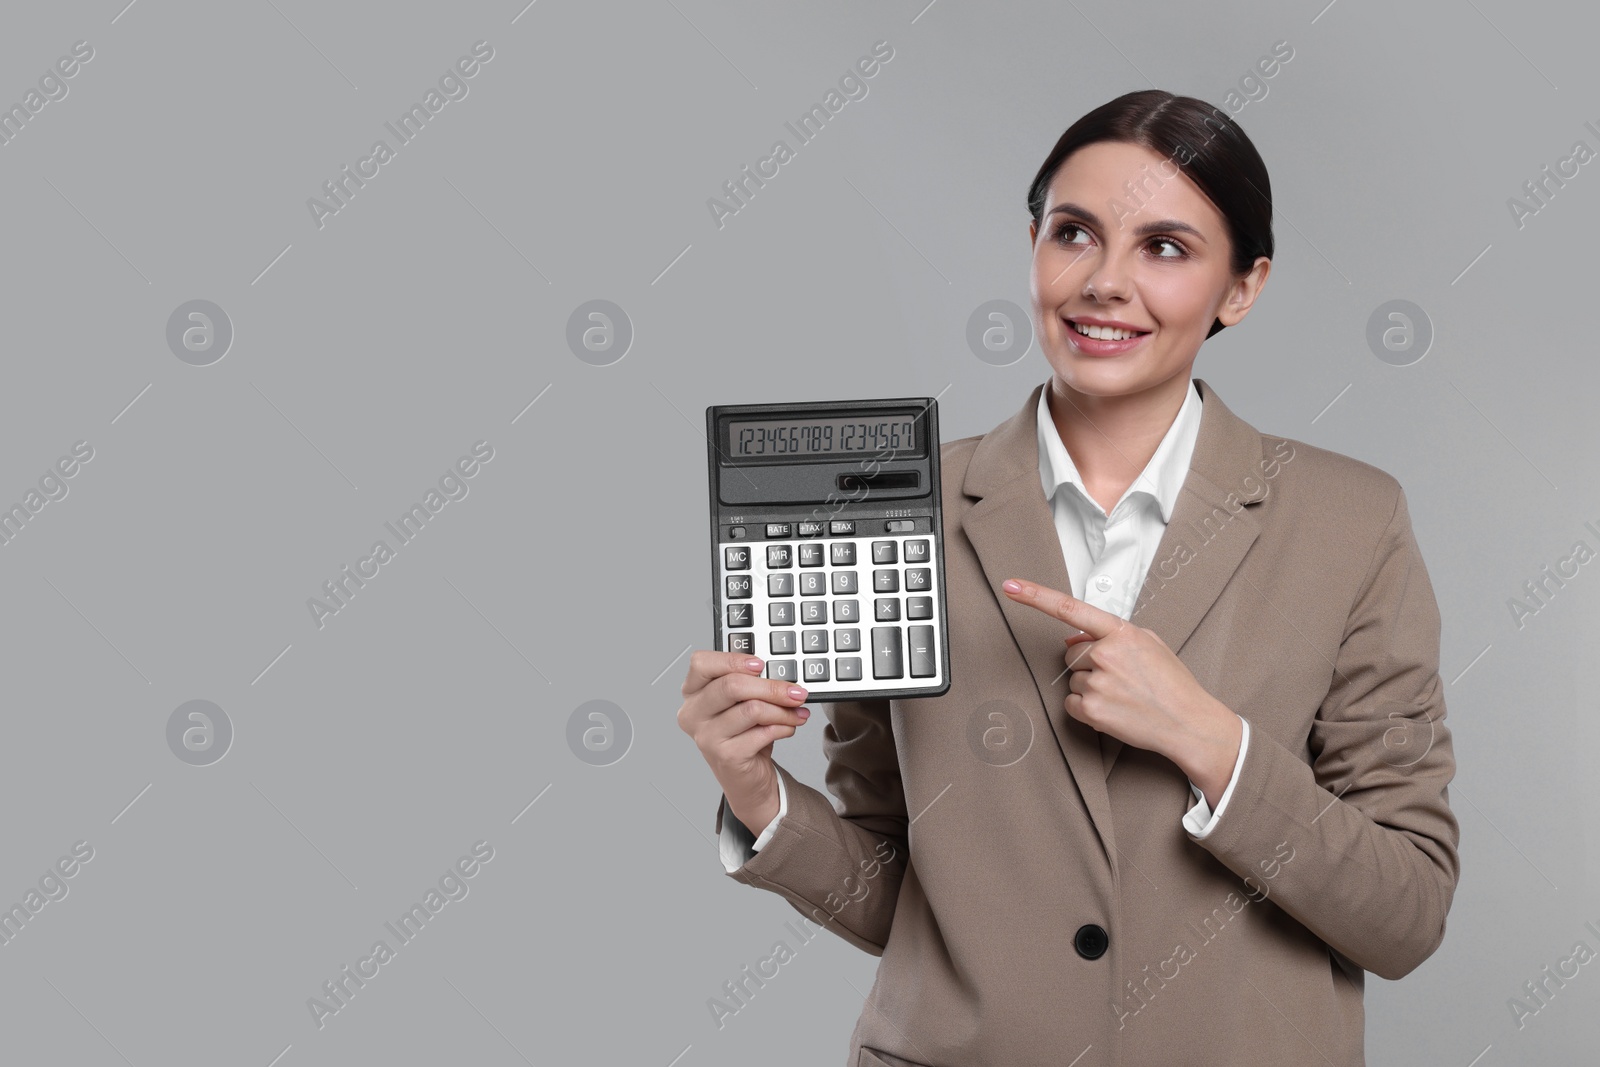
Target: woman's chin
1098,376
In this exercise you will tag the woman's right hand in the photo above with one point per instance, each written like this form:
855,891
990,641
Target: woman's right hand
734,716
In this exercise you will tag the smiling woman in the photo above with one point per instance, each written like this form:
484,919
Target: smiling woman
1211,719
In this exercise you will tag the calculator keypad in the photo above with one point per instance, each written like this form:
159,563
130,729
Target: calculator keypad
799,605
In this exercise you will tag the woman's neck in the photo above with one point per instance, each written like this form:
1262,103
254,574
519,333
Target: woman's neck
1111,439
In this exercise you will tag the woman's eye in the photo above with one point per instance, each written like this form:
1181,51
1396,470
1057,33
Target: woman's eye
1178,250
1065,228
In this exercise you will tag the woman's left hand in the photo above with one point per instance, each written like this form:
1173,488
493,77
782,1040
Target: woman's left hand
1126,682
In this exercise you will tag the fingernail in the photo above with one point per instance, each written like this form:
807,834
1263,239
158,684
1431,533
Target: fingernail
1011,586
804,713
752,664
796,693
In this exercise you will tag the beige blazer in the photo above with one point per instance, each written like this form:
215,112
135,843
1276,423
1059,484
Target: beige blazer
1028,881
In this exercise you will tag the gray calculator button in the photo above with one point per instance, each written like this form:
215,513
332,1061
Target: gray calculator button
811,555
780,585
742,642
843,553
815,612
917,551
923,663
784,670
736,557
778,557
847,640
843,582
739,587
741,615
816,670
884,552
848,668
887,581
842,527
887,609
813,583
887,657
847,611
780,613
809,529
919,607
782,643
919,578
778,529
812,641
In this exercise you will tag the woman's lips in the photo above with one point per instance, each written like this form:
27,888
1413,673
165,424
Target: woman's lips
1089,346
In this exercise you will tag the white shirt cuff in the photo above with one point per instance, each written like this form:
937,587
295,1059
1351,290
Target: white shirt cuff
736,845
1200,820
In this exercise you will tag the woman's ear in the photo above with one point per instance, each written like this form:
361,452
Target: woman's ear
1242,294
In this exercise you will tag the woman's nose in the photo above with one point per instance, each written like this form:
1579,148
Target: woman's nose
1107,280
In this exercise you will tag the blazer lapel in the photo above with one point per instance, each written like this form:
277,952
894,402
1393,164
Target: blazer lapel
1208,535
1012,529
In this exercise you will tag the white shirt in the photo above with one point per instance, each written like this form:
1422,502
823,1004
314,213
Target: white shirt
1107,558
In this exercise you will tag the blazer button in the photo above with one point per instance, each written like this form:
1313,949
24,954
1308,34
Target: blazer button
1091,941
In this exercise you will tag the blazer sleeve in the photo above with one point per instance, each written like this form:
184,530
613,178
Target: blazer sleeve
841,868
1374,865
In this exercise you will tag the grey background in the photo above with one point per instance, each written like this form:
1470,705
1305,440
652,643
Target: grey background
432,311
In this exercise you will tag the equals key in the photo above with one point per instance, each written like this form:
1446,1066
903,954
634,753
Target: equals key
923,662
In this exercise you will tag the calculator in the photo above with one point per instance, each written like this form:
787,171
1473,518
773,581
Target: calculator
827,547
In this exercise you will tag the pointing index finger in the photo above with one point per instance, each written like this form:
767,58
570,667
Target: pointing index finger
1095,622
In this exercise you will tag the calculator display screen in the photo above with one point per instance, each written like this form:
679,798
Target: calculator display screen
800,436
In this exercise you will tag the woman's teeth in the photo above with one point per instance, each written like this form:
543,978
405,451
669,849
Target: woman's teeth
1106,333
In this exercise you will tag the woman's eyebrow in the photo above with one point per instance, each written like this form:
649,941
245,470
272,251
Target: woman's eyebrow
1142,230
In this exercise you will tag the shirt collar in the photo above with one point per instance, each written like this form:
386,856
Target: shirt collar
1162,477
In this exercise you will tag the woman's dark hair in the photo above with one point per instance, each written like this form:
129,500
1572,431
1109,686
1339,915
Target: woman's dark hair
1202,141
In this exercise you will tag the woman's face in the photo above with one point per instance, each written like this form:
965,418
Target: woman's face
1127,238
